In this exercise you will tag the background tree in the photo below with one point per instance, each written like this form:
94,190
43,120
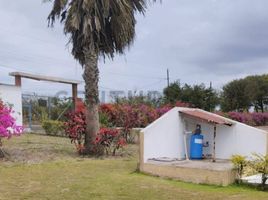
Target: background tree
244,93
96,28
198,96
257,87
172,93
211,98
234,96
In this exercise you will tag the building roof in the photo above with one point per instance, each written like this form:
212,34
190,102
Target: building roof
206,117
44,78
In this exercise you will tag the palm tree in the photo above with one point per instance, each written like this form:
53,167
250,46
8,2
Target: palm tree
96,28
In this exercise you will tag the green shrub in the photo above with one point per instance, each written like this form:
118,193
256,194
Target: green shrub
104,120
52,127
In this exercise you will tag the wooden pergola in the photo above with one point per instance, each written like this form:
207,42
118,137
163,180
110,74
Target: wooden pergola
19,75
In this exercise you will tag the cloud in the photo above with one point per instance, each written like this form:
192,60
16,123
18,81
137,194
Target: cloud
199,41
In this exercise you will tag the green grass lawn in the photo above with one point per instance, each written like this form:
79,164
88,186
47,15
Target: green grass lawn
41,167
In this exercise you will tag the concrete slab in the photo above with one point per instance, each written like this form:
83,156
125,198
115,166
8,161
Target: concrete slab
201,172
255,179
219,165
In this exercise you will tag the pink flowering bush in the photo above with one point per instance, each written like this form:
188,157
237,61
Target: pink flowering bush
8,127
260,119
241,117
162,110
253,119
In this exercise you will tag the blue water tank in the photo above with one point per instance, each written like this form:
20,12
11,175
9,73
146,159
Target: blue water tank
196,146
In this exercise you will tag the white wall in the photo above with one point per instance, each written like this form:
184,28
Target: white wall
251,140
163,138
12,95
226,141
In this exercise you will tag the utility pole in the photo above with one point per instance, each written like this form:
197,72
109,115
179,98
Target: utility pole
210,93
167,77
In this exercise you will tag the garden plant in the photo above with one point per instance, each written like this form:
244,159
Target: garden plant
8,126
239,163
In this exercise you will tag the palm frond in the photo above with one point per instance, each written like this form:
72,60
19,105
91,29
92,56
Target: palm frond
104,26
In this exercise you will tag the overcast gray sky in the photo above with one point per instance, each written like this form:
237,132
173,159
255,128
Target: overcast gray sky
199,41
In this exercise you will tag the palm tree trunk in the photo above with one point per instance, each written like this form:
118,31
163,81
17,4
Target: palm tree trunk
91,77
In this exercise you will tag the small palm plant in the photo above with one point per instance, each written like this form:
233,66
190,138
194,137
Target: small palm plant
260,165
239,163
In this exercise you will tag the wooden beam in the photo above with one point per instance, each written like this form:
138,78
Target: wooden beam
44,78
214,144
74,94
18,81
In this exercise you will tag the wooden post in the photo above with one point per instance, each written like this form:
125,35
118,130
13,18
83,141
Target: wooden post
185,145
18,81
267,144
74,94
141,151
214,144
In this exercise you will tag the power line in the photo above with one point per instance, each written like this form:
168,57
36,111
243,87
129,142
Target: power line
135,75
49,60
27,36
152,84
12,68
32,56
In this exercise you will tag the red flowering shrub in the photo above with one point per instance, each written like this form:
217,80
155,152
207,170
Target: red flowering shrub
110,140
129,116
75,129
109,110
146,115
126,117
79,105
122,115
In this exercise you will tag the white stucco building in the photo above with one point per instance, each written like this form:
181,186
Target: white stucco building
168,138
11,95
